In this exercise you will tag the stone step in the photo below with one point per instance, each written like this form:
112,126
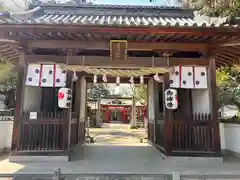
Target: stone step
122,177
119,177
95,177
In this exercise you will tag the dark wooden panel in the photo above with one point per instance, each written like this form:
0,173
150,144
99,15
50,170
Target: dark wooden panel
193,134
151,132
159,118
167,119
74,129
105,45
81,132
42,134
41,137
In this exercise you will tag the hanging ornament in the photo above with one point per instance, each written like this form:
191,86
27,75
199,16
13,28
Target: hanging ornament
118,81
94,79
104,78
75,78
131,80
141,79
156,77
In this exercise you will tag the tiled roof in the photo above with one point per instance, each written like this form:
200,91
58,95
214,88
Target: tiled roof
111,15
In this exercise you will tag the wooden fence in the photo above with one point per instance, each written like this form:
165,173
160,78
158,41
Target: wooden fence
45,133
192,133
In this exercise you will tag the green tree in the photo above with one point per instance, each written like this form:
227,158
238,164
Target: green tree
230,8
228,86
95,91
140,93
8,76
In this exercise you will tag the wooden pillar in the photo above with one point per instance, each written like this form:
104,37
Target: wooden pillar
167,119
82,117
77,101
151,111
213,105
19,100
133,117
67,123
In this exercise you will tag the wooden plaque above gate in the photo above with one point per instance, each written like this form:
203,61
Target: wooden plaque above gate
118,50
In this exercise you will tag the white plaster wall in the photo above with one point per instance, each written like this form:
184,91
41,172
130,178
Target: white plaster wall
6,128
32,98
230,137
222,136
200,101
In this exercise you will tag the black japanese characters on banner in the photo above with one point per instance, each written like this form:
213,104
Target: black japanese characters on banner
171,99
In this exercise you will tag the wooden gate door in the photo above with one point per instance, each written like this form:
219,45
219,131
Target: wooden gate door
159,121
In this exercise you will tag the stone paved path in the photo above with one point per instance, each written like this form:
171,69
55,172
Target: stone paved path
118,134
124,156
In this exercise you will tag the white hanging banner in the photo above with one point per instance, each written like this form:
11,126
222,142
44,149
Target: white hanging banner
118,81
141,79
104,78
156,77
60,77
131,80
33,75
45,75
94,79
75,78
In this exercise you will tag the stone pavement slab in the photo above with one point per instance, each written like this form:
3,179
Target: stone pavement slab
123,155
124,159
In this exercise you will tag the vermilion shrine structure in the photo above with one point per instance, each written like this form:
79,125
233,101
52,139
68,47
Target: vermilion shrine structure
182,47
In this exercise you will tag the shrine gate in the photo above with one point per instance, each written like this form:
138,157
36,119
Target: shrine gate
170,47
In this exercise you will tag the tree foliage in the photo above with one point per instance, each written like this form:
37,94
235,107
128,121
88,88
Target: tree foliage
95,91
8,76
140,92
228,86
216,8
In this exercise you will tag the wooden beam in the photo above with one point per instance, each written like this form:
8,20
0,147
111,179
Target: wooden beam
104,45
104,61
229,44
76,28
